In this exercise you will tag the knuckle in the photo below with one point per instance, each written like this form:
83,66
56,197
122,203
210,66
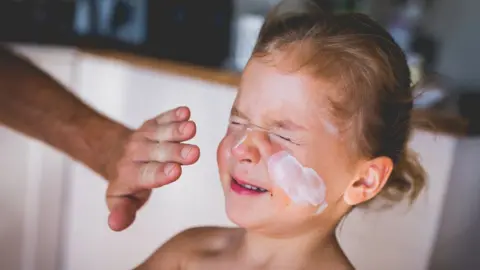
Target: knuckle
164,151
122,170
147,124
173,150
132,147
156,151
148,132
165,116
166,132
175,129
136,136
147,173
157,120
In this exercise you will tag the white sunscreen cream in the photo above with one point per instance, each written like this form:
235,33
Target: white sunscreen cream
148,172
330,128
303,185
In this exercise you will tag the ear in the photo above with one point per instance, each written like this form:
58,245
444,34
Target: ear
370,180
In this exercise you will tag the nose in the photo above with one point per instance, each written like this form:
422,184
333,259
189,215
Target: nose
246,149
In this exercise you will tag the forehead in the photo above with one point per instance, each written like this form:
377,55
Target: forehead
271,88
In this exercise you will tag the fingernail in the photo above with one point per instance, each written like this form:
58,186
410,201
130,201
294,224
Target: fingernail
182,127
185,152
169,168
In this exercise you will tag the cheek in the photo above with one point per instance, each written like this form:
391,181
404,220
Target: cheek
337,175
335,165
289,211
302,184
223,153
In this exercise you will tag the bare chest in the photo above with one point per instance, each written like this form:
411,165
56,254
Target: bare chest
229,263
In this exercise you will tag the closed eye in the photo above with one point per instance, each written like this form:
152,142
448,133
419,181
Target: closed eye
289,140
236,121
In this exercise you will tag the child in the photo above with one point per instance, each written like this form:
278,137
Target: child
319,125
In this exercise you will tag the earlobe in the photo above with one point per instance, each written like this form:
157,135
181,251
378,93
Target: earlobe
370,182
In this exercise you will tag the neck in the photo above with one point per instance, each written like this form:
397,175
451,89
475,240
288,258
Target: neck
261,249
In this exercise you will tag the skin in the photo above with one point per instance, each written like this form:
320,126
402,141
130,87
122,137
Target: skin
275,233
34,104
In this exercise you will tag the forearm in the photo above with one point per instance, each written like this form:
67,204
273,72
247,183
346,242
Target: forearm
33,103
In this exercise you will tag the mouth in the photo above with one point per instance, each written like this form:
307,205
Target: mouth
245,188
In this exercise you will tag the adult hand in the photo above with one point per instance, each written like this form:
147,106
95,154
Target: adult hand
152,157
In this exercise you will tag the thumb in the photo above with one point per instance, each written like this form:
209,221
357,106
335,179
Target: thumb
122,214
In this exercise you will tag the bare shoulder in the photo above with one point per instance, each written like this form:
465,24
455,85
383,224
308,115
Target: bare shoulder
189,245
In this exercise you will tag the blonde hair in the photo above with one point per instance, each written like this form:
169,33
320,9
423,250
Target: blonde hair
373,94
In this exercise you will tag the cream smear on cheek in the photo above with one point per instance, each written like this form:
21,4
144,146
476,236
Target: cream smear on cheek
303,185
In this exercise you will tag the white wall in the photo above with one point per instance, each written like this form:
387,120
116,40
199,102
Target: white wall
13,186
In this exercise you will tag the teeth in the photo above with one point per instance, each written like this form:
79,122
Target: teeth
247,186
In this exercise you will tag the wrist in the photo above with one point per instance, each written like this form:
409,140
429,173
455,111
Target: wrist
107,140
112,149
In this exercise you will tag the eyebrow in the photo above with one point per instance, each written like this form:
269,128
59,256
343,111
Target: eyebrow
288,125
281,124
236,112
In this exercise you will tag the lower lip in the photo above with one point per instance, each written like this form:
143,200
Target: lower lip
241,190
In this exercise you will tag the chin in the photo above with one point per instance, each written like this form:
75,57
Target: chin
273,224
242,216
247,210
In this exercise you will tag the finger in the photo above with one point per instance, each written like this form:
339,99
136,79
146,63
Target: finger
178,114
172,132
184,154
122,214
154,175
140,177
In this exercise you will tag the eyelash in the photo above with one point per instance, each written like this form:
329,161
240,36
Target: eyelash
285,139
289,140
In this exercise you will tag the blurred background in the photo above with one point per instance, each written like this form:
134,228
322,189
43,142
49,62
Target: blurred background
132,59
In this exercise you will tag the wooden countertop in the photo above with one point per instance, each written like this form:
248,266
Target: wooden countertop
184,69
425,119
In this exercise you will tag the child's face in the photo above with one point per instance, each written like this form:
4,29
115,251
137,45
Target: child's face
291,106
